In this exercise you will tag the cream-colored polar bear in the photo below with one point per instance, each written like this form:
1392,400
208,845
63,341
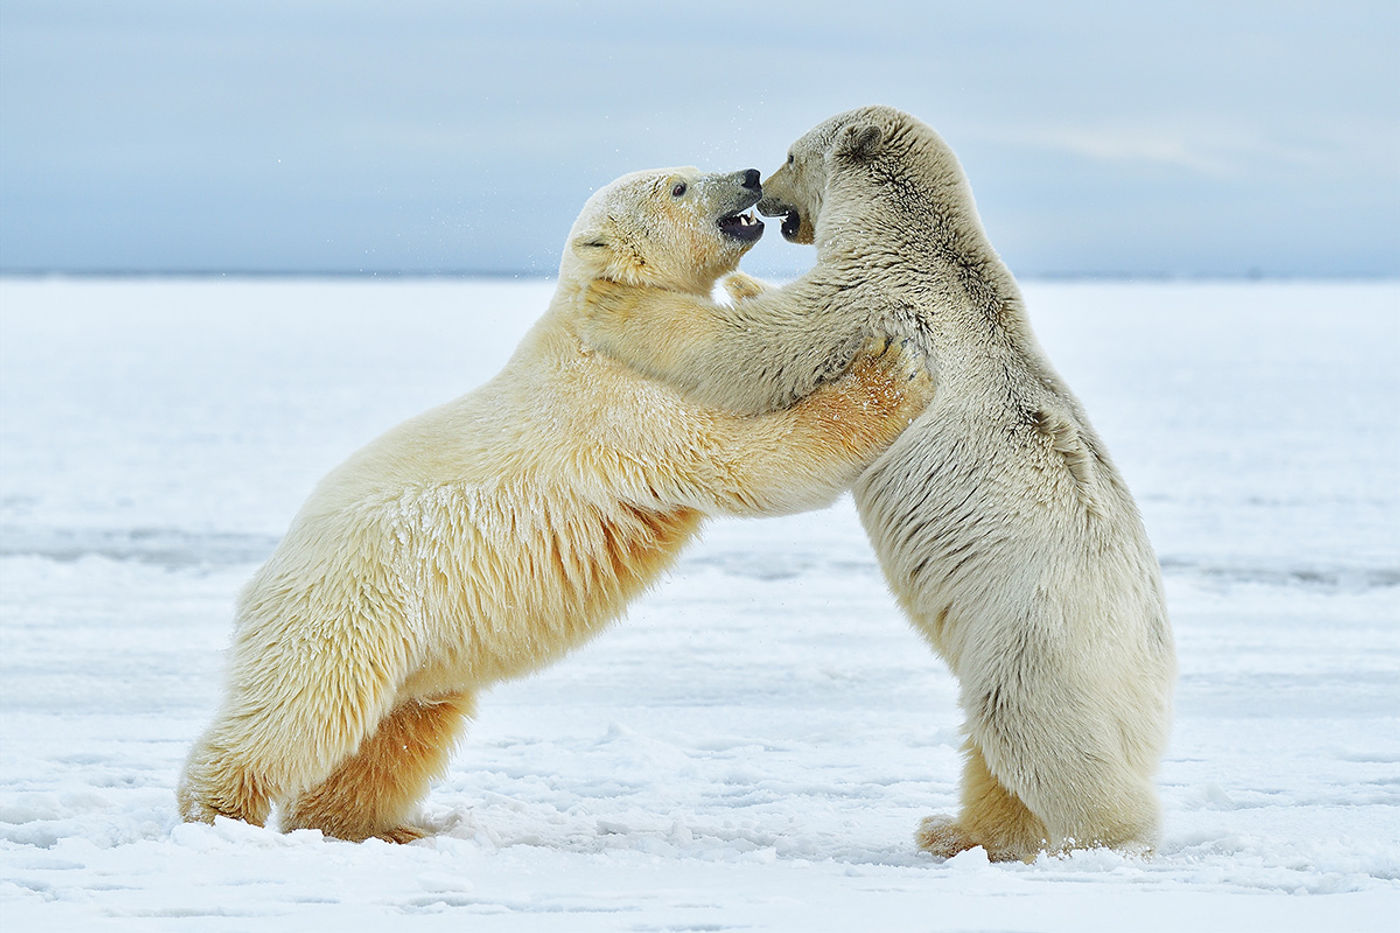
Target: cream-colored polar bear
1001,525
488,536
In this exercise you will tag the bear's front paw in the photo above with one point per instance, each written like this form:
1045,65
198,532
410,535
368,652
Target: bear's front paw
916,371
605,297
894,374
740,286
607,311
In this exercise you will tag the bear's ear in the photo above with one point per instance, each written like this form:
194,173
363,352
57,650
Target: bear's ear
594,237
590,241
857,142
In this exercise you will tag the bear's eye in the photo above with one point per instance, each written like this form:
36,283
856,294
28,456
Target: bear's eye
678,190
789,158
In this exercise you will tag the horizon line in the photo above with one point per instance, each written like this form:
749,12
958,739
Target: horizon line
534,275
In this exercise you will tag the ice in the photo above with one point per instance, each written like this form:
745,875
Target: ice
754,745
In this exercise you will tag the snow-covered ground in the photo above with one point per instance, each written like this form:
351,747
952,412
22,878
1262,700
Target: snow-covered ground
753,746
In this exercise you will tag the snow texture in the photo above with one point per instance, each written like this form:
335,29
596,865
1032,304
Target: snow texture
753,746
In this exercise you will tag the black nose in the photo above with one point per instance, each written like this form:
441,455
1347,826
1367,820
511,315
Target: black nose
751,179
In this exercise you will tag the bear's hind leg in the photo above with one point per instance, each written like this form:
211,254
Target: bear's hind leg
992,817
294,712
216,783
371,793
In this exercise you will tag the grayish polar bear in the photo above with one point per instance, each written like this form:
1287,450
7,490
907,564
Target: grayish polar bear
1001,524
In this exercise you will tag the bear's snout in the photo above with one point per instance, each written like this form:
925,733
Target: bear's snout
750,181
770,206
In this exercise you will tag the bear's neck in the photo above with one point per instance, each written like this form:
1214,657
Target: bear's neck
931,256
931,273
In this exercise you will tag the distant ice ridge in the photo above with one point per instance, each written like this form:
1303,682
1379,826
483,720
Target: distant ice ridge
175,548
171,548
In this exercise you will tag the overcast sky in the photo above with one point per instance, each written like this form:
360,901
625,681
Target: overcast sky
1223,138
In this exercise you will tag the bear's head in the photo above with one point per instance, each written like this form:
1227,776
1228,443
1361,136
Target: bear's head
674,228
796,191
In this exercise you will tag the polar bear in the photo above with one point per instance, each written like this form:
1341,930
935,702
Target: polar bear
488,536
1000,523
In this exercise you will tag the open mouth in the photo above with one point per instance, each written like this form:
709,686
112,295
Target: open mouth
792,222
744,227
792,218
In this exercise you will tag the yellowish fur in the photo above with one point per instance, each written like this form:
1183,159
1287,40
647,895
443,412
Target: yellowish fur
992,817
490,535
373,791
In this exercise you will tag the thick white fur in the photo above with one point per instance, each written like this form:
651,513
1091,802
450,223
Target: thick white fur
1001,524
488,536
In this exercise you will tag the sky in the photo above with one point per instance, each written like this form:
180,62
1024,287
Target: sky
435,136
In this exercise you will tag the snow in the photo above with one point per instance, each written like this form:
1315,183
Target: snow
754,745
